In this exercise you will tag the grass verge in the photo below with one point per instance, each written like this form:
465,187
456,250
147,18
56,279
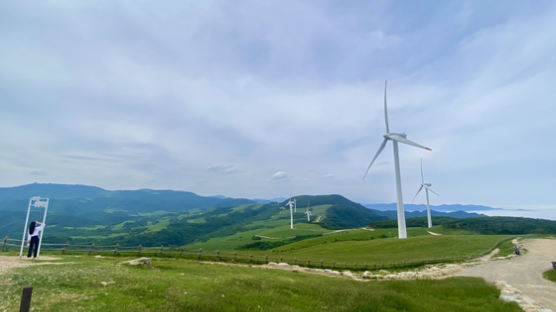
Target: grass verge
182,285
550,275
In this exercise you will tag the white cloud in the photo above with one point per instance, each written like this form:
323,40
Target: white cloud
184,95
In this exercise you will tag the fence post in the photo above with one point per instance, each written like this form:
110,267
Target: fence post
181,251
161,250
139,249
281,259
345,265
116,248
266,259
235,256
308,263
5,246
65,248
295,261
25,305
91,249
321,264
200,254
250,258
333,265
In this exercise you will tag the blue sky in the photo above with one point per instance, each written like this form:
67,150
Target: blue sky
268,98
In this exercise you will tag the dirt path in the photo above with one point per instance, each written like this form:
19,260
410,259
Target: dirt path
10,262
520,278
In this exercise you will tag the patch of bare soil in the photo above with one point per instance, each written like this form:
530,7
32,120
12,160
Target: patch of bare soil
10,262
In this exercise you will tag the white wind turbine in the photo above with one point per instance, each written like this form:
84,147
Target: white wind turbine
308,213
427,187
395,138
291,204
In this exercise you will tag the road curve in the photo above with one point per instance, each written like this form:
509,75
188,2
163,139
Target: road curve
521,277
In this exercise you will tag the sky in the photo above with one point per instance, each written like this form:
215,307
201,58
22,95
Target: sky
265,99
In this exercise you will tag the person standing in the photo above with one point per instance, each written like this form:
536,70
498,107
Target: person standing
33,238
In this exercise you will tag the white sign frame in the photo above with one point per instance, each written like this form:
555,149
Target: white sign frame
35,202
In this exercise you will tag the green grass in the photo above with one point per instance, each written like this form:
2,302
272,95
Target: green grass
550,275
180,285
388,251
506,248
279,233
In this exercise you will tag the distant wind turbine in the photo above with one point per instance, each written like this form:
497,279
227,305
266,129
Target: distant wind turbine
308,213
427,187
291,204
395,138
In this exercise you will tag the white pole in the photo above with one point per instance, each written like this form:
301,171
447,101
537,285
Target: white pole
429,219
291,215
43,226
402,233
25,228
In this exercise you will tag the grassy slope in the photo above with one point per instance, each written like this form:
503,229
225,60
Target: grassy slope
550,275
391,250
279,233
178,285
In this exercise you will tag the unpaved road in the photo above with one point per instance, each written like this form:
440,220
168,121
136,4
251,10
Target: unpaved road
524,274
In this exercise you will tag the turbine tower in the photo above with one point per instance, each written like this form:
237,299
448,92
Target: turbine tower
291,203
427,187
395,138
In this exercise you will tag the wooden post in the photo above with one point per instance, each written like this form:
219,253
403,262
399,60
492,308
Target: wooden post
235,256
308,263
295,261
321,264
139,249
200,254
181,251
345,265
218,254
25,305
91,249
281,259
5,246
250,258
116,248
266,259
161,250
65,248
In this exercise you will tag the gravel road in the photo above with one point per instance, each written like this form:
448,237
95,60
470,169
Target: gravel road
521,277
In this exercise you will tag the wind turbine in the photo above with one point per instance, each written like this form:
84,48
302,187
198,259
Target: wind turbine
427,187
395,138
291,203
308,213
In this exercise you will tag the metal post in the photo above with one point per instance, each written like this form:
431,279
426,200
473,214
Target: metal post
25,227
25,305
43,222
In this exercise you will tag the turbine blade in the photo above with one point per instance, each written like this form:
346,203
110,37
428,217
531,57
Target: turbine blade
420,188
374,158
428,188
386,108
408,142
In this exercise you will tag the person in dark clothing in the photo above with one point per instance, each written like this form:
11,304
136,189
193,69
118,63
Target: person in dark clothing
33,238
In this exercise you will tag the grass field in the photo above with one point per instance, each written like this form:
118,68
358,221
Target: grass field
550,275
382,252
182,285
